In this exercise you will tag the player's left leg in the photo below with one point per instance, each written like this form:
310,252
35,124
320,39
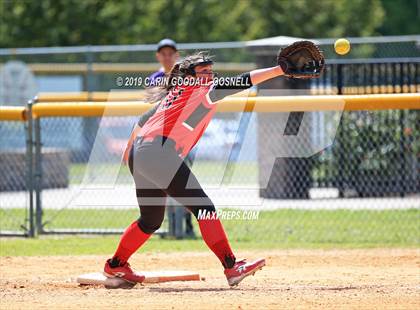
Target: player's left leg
186,189
189,229
152,202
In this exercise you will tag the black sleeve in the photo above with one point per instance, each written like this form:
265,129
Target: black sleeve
145,116
227,86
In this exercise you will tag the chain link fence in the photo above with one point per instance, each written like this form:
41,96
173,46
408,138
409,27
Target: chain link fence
96,68
15,212
85,188
364,189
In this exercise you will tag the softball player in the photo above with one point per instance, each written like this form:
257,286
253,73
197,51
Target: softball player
166,54
166,134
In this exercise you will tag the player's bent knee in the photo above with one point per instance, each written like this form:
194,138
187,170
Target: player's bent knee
149,227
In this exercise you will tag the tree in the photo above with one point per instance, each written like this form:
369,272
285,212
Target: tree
312,19
83,22
401,17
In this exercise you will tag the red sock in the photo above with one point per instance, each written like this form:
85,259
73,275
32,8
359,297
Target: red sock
131,240
215,237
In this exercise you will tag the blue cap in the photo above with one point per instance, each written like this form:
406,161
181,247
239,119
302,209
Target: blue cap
166,43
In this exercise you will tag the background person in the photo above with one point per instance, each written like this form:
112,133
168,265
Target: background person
167,55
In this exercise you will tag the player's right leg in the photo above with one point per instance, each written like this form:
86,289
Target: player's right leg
152,202
186,189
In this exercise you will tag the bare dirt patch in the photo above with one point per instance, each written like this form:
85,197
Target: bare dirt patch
350,279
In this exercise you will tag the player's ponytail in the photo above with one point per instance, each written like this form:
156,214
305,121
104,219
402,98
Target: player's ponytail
156,94
174,74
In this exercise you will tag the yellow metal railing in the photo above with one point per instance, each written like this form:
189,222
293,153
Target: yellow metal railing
92,96
106,96
12,113
229,104
322,103
97,67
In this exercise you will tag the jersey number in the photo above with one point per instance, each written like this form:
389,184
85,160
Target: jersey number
196,116
172,96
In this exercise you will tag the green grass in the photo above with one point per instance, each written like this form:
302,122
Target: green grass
85,245
273,229
206,172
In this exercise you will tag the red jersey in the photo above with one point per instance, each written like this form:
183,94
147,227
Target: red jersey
182,115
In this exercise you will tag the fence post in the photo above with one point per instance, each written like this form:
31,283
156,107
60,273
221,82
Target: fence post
29,167
340,79
89,72
89,124
38,173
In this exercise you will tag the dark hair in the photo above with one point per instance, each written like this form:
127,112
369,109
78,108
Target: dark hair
180,70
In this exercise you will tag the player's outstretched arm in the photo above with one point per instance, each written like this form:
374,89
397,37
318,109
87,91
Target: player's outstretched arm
247,80
261,75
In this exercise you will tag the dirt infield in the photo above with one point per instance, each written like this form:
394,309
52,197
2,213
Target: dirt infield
376,278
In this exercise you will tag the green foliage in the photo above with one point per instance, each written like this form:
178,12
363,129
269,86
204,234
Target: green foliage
375,146
77,22
401,17
326,18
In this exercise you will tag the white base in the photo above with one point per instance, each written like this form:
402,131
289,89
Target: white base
97,278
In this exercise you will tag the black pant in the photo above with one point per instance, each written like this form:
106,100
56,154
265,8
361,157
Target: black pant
189,229
159,172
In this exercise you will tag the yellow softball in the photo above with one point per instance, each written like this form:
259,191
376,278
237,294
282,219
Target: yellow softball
342,46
